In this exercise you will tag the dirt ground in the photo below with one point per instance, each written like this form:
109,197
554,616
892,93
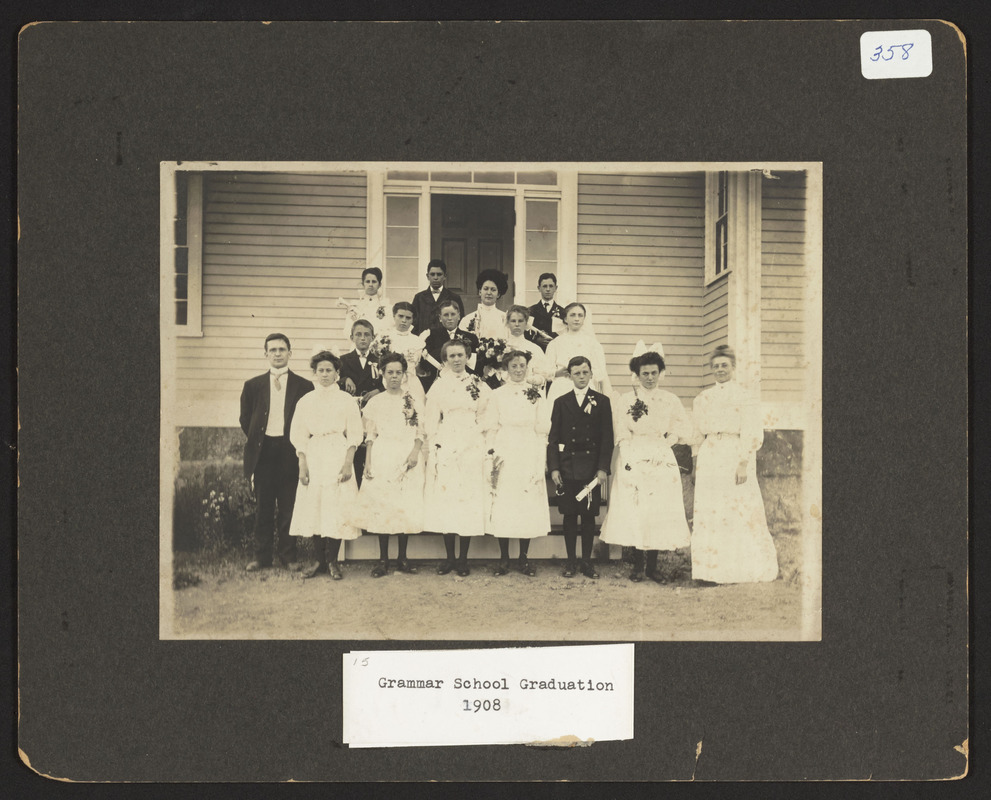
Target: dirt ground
278,604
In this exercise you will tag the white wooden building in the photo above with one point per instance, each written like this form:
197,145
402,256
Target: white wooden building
691,256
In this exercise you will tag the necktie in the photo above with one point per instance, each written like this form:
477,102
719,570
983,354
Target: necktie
278,383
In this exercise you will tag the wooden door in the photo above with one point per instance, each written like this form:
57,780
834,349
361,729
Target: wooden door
472,233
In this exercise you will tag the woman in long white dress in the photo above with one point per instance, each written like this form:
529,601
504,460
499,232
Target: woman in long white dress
646,504
401,339
371,305
326,430
730,539
454,496
390,500
575,340
517,419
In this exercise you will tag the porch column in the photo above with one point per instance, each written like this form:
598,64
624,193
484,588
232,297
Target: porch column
744,257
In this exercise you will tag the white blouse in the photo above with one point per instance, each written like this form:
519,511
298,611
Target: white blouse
729,408
568,345
489,322
326,411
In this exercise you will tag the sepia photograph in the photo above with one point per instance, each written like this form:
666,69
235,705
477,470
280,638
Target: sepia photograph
421,400
390,387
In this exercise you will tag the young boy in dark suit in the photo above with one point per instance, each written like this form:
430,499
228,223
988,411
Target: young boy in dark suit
360,377
427,303
579,448
543,314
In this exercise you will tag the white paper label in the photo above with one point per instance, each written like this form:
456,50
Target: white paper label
896,54
525,695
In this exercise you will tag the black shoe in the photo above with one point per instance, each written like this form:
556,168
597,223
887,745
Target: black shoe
445,566
380,569
527,568
570,569
319,569
404,566
335,571
463,569
588,570
256,566
704,584
502,568
656,576
636,576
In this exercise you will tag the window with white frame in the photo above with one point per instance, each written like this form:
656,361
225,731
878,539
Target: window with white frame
188,253
717,225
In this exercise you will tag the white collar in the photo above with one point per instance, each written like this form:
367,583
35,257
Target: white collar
580,393
278,372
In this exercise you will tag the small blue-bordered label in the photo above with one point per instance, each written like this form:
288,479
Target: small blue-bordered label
896,54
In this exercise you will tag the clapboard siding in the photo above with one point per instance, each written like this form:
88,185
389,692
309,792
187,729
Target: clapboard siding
641,249
715,322
783,277
278,252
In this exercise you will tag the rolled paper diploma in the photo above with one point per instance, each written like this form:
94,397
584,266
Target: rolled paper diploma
589,488
431,360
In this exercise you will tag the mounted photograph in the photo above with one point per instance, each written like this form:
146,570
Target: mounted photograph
491,401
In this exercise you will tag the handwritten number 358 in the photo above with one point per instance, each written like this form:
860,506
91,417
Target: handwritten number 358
891,54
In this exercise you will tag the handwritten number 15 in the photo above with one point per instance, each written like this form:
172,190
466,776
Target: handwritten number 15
891,54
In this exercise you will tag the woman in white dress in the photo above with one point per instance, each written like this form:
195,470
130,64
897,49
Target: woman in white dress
454,496
517,419
401,339
575,340
371,304
730,539
487,321
390,500
646,504
326,430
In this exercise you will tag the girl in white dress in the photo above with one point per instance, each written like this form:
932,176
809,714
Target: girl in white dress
646,504
575,341
730,539
390,500
326,430
487,321
517,419
371,304
401,339
454,497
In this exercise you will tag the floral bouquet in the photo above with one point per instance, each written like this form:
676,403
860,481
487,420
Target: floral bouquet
409,412
638,409
471,386
493,349
380,347
533,394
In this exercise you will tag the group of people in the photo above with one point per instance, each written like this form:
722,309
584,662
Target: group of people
451,424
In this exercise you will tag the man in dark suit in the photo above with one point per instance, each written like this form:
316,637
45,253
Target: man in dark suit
579,449
360,377
267,405
449,315
426,303
543,314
